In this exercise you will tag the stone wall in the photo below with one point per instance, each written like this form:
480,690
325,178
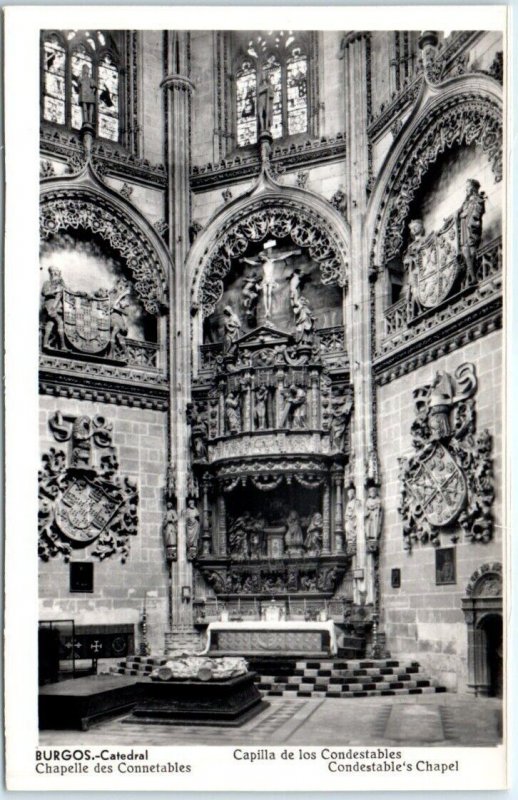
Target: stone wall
420,619
119,589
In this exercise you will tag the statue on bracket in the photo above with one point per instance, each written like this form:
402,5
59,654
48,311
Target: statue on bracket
170,530
192,517
447,483
470,216
294,536
304,320
87,95
314,535
265,101
373,518
351,511
82,498
260,408
341,409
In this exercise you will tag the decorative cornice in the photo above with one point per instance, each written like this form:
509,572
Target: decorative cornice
134,390
290,157
439,340
115,162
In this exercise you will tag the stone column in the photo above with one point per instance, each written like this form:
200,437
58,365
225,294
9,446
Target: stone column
247,402
279,380
356,58
177,89
206,536
222,522
221,408
338,546
314,422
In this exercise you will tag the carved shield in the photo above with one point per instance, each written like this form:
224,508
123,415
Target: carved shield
438,486
438,264
84,510
87,321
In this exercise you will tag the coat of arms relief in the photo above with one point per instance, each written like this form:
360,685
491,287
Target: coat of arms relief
447,483
82,498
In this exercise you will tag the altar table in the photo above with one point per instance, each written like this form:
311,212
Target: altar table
261,637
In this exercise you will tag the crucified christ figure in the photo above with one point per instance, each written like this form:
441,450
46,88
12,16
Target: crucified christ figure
268,283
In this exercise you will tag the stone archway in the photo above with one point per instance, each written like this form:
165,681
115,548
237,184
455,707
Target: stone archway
483,612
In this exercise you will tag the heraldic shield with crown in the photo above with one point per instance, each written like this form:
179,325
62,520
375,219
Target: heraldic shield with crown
82,499
447,484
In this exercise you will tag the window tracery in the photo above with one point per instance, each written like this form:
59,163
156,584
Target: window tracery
64,55
282,59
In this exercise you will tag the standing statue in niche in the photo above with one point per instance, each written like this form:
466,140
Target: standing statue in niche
232,329
268,283
265,100
52,309
170,531
294,537
294,409
411,258
87,95
233,412
192,517
238,537
470,218
260,410
314,534
373,514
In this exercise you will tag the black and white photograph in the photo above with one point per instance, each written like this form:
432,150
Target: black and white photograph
269,330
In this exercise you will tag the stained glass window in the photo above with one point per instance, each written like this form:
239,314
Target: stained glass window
54,81
80,58
297,95
108,99
280,58
246,104
272,72
63,63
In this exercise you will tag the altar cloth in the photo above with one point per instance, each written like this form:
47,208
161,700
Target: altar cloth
261,637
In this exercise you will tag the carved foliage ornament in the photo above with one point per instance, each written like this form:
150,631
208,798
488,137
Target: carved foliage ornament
463,120
447,484
82,498
80,209
304,227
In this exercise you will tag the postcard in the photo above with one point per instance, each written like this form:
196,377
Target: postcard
256,470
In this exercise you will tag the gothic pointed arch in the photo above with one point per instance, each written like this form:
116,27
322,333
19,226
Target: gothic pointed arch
83,202
459,112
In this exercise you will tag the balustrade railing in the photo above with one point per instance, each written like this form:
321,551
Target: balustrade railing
213,610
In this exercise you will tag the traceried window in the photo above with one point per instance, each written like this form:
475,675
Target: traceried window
65,54
281,59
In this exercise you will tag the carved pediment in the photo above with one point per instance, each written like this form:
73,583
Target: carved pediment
263,336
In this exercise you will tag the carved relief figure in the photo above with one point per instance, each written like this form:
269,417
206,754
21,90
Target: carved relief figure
313,540
170,531
411,257
260,410
304,321
238,537
294,537
233,412
232,329
119,319
294,409
87,95
373,514
340,413
192,517
250,291
52,294
470,217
